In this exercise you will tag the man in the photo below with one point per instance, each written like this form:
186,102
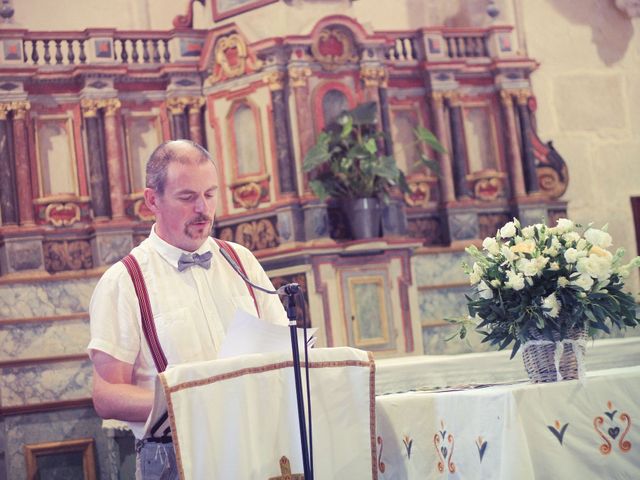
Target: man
192,302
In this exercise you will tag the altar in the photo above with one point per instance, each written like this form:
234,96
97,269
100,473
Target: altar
520,430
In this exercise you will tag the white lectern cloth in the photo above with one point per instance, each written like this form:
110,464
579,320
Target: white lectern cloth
235,418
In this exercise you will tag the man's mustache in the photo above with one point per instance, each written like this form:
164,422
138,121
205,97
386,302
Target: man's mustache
199,219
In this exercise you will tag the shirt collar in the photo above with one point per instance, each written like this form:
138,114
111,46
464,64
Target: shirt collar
170,253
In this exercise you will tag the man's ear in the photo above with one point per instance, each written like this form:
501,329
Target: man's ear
151,199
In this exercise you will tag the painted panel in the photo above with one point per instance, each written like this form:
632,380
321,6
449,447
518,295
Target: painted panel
56,156
245,133
367,312
482,152
405,121
143,134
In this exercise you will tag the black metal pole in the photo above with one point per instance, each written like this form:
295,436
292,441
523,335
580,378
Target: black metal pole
291,314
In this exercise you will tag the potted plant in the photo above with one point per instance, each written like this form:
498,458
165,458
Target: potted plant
546,289
347,165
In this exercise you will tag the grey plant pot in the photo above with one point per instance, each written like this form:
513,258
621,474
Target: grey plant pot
364,215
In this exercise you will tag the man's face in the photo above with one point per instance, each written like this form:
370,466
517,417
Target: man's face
185,211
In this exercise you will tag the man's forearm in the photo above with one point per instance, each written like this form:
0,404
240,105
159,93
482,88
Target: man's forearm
121,401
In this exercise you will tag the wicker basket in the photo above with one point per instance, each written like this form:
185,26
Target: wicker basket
539,358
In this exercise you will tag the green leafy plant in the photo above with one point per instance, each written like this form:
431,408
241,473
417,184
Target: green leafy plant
546,279
347,163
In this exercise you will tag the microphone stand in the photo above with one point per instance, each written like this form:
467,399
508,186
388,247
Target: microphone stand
290,290
293,325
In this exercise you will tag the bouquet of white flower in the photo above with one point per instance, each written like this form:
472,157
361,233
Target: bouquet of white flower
540,282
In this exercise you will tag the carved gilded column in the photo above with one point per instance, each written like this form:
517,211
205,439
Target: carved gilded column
114,162
515,163
96,159
528,158
8,193
179,124
23,171
375,79
298,80
458,146
446,172
286,165
194,107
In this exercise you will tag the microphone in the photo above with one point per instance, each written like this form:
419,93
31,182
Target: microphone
287,289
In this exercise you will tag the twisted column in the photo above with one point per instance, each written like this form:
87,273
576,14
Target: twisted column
446,172
114,162
23,171
513,147
286,165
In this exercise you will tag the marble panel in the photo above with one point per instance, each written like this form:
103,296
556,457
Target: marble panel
435,343
57,426
440,268
33,384
32,340
28,300
436,305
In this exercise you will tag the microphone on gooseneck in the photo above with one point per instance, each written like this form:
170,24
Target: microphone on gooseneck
288,289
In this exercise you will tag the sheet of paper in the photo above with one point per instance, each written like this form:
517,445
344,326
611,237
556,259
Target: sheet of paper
248,334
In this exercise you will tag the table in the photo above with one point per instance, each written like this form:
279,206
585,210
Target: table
563,430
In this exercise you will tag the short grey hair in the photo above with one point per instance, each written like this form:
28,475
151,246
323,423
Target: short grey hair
163,155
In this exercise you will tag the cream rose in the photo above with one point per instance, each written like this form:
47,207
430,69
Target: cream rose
508,231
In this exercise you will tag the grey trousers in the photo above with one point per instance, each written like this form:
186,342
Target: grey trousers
155,461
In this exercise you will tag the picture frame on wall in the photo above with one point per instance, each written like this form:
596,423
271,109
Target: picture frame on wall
72,459
228,8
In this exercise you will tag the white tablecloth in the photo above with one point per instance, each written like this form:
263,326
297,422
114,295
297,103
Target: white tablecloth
564,430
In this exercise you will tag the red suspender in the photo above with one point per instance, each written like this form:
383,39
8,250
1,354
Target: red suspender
148,326
229,249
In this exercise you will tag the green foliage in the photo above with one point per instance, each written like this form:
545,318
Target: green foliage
346,161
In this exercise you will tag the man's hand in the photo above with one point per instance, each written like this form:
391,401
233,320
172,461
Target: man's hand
114,396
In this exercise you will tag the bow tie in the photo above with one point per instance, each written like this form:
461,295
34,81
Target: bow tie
190,259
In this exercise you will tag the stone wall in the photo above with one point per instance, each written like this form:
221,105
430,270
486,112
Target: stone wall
588,92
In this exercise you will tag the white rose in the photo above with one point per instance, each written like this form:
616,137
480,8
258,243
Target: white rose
571,255
598,238
476,274
583,281
564,225
491,245
563,281
528,267
571,237
594,266
508,231
551,251
496,283
484,291
514,280
528,232
507,253
541,262
554,266
552,303
582,244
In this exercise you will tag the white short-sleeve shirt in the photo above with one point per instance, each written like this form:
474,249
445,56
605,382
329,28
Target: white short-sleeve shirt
191,309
